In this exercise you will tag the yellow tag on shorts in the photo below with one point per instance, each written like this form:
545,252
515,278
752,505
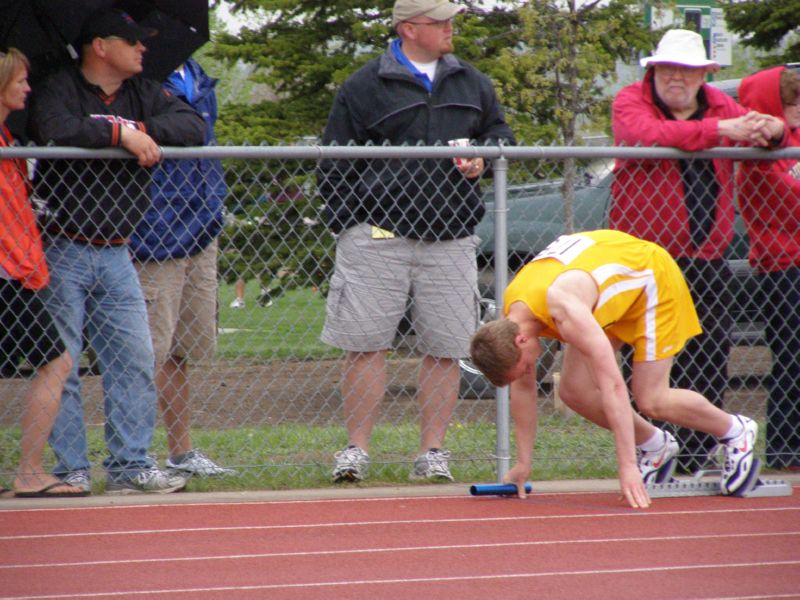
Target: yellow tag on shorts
381,234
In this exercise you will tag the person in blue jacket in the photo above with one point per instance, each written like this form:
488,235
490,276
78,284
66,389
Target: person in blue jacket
175,246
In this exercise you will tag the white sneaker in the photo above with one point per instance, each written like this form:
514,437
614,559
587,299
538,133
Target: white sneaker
350,464
78,479
432,465
738,460
199,465
237,303
147,481
655,463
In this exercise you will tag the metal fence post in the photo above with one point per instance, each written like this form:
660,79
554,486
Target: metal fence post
500,168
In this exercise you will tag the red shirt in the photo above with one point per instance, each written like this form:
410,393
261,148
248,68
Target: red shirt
21,253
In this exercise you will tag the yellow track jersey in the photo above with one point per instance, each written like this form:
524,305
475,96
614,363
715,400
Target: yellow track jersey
643,301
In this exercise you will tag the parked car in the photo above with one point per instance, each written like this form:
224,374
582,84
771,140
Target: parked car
536,217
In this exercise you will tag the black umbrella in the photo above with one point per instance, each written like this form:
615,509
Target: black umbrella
46,31
182,27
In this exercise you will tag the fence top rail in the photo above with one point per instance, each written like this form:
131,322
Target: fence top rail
316,152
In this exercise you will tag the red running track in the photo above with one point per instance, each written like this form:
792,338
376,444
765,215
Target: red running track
548,546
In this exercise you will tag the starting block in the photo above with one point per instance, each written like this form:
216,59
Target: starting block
754,487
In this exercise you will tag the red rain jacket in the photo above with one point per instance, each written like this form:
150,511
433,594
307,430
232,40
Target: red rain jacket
647,195
21,253
770,190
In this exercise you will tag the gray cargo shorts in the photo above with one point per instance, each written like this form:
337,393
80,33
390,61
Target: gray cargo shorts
375,276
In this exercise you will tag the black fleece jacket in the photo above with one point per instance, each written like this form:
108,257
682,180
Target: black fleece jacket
382,103
102,200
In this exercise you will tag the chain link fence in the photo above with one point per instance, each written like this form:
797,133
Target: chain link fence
268,403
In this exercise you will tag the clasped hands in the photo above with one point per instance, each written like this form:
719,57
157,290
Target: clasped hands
754,128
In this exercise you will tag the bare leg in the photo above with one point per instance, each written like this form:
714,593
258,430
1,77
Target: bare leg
41,408
437,396
239,289
579,392
172,383
363,387
654,397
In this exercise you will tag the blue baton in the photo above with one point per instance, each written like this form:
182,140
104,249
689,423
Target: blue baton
497,489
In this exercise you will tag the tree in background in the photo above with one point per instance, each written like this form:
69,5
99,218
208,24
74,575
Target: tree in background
554,76
303,50
769,25
549,61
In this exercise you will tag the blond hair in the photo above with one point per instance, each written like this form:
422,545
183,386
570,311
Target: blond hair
494,351
10,62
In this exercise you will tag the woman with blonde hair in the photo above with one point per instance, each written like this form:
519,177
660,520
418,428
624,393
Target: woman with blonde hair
26,328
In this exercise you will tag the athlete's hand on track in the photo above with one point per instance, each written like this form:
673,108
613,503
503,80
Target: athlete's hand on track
633,489
518,475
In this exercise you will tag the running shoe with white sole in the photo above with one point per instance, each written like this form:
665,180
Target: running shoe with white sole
738,456
432,465
197,464
147,481
655,464
77,479
350,464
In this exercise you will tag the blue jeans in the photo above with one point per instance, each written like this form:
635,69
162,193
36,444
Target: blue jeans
95,288
782,313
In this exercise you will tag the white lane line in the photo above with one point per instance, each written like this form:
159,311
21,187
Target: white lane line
402,522
130,561
418,580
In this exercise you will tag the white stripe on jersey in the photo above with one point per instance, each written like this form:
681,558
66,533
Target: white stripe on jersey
644,280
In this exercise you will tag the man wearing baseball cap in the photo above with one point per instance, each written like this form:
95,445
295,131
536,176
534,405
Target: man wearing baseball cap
686,206
405,10
95,206
406,225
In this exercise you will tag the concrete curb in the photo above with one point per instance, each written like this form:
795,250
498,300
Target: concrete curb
346,492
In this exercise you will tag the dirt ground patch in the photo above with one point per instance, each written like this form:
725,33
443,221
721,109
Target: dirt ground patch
242,393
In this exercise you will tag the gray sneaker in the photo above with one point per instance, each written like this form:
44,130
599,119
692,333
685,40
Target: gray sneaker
432,465
198,464
350,464
77,479
147,481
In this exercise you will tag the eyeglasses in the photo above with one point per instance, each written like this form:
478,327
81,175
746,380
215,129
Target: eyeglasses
670,69
438,24
126,40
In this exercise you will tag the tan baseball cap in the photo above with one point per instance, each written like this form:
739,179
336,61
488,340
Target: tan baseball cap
438,10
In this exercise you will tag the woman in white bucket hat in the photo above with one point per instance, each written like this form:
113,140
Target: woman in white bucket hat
686,206
681,47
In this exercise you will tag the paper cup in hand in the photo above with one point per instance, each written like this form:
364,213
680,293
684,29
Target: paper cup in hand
460,142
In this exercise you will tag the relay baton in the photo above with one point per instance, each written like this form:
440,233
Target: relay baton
497,489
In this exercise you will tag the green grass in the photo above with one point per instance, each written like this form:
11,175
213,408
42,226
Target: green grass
291,456
294,456
289,328
301,457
